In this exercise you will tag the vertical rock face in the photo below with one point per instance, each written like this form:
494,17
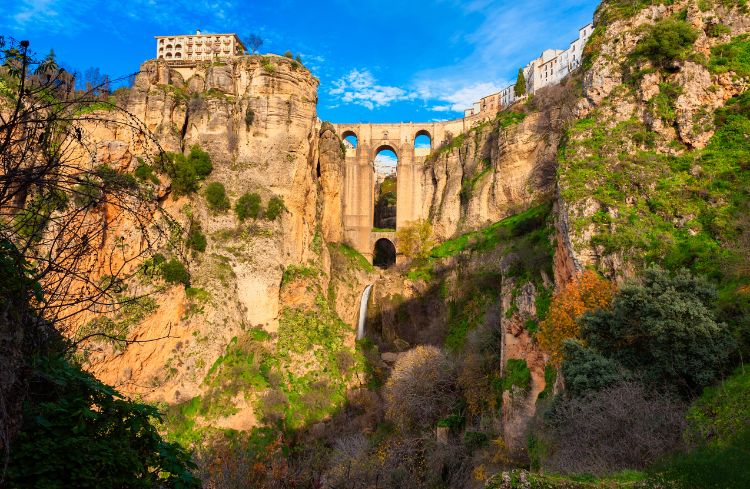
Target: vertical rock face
256,117
495,169
331,174
660,111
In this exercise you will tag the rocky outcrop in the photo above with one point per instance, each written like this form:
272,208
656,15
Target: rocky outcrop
256,117
331,174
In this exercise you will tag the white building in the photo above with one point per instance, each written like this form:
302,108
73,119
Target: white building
198,47
548,69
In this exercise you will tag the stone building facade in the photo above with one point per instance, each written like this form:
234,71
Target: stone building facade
548,69
198,47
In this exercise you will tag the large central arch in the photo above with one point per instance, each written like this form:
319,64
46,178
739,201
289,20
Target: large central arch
385,190
362,144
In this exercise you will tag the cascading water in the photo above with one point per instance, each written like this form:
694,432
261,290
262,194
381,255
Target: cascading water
363,311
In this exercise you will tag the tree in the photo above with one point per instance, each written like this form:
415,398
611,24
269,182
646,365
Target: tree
586,293
79,432
415,238
216,197
422,388
254,42
248,206
520,89
667,41
664,329
275,208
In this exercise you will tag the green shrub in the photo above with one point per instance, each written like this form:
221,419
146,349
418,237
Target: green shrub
667,41
733,56
196,240
201,161
248,206
585,370
288,54
113,179
145,172
174,272
664,329
216,197
516,374
275,208
183,175
78,432
187,171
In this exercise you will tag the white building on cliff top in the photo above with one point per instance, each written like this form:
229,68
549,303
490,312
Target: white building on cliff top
198,47
548,69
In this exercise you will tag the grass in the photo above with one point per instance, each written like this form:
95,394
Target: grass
355,258
525,232
516,374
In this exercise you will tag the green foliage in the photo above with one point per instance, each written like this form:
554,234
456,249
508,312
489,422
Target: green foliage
145,172
664,102
30,222
248,206
713,466
296,272
268,65
516,374
216,197
187,171
585,370
467,311
664,329
666,41
722,411
275,208
467,185
509,118
174,272
733,56
81,433
550,377
716,29
114,180
526,233
196,240
355,257
520,87
288,54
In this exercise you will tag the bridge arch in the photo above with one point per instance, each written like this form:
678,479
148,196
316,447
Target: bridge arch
350,137
385,147
384,253
423,139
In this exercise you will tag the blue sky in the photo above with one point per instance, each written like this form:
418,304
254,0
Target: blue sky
378,61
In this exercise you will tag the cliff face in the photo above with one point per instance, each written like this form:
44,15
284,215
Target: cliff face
499,167
642,111
256,117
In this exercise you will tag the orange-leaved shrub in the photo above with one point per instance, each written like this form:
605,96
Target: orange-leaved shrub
587,292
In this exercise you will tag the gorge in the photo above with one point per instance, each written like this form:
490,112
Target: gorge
563,299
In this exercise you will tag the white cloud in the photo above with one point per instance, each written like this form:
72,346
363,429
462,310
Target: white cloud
361,88
455,95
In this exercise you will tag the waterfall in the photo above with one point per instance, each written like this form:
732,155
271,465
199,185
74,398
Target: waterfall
363,311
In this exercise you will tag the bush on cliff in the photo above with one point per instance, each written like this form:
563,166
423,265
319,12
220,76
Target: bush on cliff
667,41
275,208
664,329
186,172
216,197
248,206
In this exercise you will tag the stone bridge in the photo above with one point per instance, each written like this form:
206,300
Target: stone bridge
359,174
